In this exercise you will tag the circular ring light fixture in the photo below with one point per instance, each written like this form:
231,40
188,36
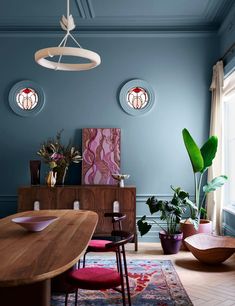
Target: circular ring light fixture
67,24
41,55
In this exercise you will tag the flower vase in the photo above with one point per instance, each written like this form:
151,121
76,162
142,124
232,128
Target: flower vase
35,166
51,179
61,175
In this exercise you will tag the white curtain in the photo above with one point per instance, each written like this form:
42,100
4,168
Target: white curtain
214,199
229,86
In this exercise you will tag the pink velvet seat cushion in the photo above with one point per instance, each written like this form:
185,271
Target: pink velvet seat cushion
99,246
94,278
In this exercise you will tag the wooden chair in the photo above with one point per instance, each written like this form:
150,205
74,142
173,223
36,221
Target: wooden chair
97,278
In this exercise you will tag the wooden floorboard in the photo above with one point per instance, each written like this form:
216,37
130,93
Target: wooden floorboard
205,285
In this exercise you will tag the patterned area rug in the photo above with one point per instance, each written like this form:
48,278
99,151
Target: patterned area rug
152,282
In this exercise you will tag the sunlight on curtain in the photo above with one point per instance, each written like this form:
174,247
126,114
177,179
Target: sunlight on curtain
214,199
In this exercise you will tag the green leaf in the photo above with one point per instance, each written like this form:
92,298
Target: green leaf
208,151
183,194
154,204
203,213
216,183
191,204
193,151
143,226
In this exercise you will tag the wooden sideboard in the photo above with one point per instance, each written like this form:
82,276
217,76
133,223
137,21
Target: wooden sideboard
98,198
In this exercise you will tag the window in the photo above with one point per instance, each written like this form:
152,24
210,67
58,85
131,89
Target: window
229,140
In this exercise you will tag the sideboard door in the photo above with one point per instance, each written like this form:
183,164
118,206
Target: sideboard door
28,195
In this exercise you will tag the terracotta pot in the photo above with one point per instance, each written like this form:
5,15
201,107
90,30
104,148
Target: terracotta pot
188,229
171,243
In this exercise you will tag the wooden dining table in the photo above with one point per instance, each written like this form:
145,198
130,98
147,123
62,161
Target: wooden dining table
29,260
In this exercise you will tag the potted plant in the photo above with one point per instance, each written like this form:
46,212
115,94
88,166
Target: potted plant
171,212
201,160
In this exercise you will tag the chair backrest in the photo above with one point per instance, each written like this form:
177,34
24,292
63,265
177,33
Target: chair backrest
116,218
124,236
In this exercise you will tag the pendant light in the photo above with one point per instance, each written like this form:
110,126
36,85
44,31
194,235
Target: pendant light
44,56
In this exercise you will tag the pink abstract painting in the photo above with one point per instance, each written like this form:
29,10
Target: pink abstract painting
101,155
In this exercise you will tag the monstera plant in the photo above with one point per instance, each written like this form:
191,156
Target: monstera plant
201,159
170,213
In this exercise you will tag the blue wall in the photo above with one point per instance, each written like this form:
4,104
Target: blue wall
178,67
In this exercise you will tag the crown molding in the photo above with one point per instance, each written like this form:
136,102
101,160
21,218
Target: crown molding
229,22
224,10
111,31
90,15
80,9
90,8
213,12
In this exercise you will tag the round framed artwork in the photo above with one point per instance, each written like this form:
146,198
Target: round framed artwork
136,97
26,98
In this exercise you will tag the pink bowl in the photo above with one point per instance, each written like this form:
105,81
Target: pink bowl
34,224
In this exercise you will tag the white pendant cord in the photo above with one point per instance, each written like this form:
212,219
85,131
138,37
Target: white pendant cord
68,9
67,24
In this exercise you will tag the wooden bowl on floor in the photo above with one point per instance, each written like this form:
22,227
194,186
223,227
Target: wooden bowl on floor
210,249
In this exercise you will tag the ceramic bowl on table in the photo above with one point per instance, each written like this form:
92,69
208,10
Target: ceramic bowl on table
34,223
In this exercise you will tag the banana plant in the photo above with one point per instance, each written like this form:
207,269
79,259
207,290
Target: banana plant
201,160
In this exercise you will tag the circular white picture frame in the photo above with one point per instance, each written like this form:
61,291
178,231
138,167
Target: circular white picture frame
36,90
146,97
